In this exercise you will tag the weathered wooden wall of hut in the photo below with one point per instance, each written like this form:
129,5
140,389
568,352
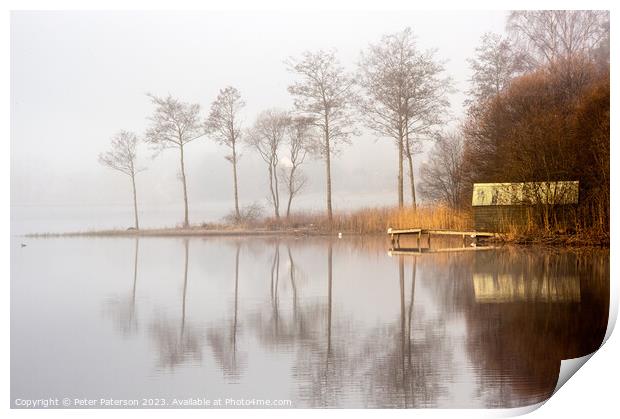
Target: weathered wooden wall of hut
499,217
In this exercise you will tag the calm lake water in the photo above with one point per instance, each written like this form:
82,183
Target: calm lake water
320,322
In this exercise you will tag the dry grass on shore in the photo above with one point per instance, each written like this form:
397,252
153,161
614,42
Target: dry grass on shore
374,220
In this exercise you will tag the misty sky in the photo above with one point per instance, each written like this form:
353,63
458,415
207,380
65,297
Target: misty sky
79,77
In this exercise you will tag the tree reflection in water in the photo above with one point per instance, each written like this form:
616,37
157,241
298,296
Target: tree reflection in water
123,309
467,329
223,340
276,330
320,363
557,309
177,343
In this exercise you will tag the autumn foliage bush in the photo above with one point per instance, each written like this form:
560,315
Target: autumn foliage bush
549,125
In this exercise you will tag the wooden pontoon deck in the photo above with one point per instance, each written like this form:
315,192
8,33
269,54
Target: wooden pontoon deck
418,232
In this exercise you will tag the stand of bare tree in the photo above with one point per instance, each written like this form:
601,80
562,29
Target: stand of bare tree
174,124
224,124
123,157
300,139
266,137
405,97
325,94
272,132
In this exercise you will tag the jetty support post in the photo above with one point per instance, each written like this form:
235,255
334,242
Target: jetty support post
394,238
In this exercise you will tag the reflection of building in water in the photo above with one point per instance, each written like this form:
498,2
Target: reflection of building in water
503,288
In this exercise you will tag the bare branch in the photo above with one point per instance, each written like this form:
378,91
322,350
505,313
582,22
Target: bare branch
442,177
122,154
549,36
173,123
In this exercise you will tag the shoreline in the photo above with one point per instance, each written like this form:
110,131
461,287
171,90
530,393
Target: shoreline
184,232
554,240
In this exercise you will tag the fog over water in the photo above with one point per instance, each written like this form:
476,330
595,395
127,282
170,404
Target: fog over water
79,77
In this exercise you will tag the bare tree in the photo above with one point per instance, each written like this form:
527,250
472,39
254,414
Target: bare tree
601,52
174,124
405,96
443,176
324,93
549,36
382,77
122,157
427,107
496,63
267,136
299,139
224,125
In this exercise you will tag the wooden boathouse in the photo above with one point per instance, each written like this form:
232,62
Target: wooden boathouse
499,205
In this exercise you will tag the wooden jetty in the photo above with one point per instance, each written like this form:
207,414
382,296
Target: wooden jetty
419,232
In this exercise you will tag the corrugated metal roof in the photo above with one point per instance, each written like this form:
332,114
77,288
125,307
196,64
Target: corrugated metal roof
528,193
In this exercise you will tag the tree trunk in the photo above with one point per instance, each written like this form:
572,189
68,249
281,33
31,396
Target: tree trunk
276,189
135,201
186,213
412,181
291,191
410,159
273,194
401,199
234,163
328,169
288,206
